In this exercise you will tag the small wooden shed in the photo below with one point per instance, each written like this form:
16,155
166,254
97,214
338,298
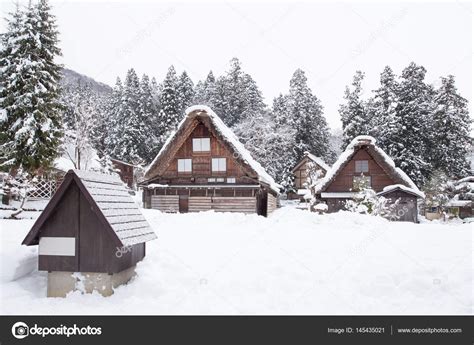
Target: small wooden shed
91,234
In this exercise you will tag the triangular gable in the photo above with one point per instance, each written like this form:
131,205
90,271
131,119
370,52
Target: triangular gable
312,158
382,159
203,114
91,186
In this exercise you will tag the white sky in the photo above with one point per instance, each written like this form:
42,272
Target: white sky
329,41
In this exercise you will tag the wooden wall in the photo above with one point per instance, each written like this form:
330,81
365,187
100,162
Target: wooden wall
201,168
272,203
343,182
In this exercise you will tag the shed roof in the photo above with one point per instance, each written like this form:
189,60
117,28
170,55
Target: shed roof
109,200
224,133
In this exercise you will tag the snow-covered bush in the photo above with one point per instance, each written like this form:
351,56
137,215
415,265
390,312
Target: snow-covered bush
320,208
366,201
17,187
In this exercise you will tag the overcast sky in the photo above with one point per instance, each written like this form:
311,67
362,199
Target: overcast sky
330,41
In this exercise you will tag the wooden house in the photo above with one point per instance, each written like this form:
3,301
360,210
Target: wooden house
308,165
462,203
126,171
92,231
364,162
203,166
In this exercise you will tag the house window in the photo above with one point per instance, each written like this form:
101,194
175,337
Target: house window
219,165
211,180
231,180
220,179
361,166
185,165
201,144
361,182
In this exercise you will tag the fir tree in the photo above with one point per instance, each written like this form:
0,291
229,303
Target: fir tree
185,92
148,114
450,140
354,113
408,147
31,123
169,115
205,91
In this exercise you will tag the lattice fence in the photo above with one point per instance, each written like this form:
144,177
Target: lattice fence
44,189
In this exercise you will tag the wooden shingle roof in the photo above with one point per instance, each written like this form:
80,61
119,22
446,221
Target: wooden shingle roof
109,200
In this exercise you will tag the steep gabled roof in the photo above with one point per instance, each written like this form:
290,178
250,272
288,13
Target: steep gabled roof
315,159
379,156
109,200
204,114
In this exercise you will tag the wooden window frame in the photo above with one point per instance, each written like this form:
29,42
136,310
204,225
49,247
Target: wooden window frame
200,141
358,168
185,171
218,165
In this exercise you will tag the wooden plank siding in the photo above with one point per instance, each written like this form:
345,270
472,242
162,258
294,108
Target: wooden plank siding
165,203
271,203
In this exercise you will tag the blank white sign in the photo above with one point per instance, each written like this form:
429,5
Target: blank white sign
63,246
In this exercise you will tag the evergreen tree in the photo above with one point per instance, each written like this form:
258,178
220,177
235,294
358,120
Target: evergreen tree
450,140
408,148
305,114
354,113
30,121
205,92
170,114
382,107
116,112
185,92
148,114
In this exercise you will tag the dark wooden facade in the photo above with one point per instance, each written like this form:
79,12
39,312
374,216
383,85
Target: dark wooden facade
125,170
236,188
380,174
97,215
302,171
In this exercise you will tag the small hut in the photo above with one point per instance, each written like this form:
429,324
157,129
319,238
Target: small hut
90,235
363,162
308,165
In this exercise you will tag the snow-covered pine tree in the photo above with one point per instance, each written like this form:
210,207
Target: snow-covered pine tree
185,92
116,110
382,107
31,122
148,113
451,128
271,144
354,112
169,115
305,115
205,91
133,135
414,108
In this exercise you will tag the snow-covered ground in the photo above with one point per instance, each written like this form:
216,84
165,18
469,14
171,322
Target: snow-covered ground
293,262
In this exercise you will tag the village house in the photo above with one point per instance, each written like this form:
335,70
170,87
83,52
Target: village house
462,203
91,234
125,170
310,165
363,162
203,166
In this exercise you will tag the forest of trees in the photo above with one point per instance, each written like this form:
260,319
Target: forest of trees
422,127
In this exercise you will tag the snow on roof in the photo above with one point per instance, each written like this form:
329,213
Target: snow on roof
117,206
229,136
390,188
318,160
458,203
466,179
348,153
